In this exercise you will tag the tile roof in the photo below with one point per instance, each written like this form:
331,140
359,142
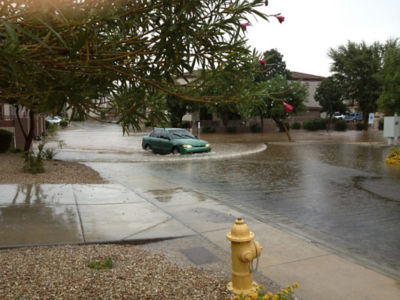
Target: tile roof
305,77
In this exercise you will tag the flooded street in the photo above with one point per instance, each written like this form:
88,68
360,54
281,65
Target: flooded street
310,192
331,188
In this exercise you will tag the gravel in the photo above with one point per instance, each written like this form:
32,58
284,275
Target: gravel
11,171
63,273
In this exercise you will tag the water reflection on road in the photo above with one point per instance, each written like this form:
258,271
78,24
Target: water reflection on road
30,216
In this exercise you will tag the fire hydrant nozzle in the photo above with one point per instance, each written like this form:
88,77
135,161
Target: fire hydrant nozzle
244,251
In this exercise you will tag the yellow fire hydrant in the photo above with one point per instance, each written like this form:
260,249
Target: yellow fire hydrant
244,251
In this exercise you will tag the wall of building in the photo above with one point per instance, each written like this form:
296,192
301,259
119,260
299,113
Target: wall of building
312,87
8,121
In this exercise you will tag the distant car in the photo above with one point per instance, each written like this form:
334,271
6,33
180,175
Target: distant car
355,116
174,140
338,115
53,120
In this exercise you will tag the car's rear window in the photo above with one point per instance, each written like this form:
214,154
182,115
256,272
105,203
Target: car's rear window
154,134
181,134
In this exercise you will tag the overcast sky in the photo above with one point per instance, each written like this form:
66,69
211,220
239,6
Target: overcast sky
312,27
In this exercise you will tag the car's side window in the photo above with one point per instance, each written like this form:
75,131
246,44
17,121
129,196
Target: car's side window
164,135
155,134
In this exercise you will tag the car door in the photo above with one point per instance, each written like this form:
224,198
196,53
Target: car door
165,141
155,140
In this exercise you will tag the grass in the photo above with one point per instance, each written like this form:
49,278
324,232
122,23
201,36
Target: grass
105,265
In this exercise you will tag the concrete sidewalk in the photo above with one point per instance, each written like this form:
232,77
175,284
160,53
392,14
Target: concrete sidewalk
59,214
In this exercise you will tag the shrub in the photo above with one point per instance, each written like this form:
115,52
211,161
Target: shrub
64,123
5,140
394,156
49,153
255,127
231,129
315,124
323,123
310,125
186,124
208,129
16,150
34,163
148,124
51,128
341,125
380,124
296,125
360,126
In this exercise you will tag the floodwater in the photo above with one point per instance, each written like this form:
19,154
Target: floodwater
328,187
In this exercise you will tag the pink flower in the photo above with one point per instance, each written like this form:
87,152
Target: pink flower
280,18
244,25
288,107
262,62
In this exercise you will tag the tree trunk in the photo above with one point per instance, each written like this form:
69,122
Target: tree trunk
282,124
28,137
261,124
365,120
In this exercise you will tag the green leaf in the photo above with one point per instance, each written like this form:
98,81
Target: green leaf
54,32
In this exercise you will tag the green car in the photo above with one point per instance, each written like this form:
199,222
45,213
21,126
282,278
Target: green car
174,140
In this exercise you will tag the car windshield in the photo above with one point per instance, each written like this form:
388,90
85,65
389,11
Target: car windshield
181,134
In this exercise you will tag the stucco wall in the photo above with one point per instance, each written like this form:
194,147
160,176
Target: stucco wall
312,87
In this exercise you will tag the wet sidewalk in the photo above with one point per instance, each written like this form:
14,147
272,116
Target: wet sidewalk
48,214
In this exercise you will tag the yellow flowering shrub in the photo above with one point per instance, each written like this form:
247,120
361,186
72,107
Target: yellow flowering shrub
394,157
285,294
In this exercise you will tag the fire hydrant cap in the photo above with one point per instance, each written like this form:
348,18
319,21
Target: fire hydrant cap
240,232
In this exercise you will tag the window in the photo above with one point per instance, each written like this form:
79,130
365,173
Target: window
164,135
155,134
181,134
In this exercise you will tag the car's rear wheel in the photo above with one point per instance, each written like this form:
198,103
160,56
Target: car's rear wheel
147,147
175,150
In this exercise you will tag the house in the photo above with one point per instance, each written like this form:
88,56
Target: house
8,121
313,107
